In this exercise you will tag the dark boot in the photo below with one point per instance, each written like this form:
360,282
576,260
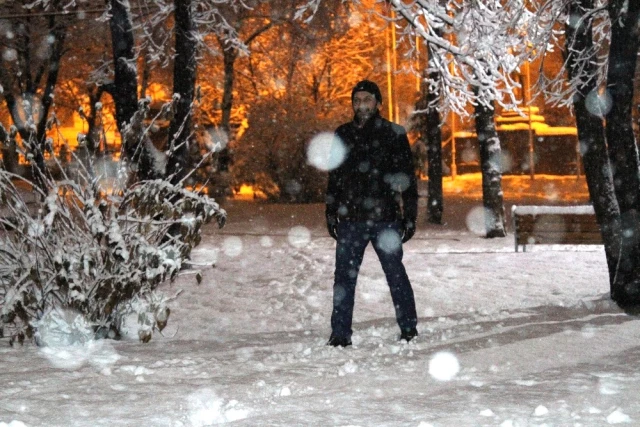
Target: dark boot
336,341
408,334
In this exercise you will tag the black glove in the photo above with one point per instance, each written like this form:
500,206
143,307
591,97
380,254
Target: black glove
408,229
332,226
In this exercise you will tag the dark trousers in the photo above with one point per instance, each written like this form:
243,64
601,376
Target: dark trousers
353,238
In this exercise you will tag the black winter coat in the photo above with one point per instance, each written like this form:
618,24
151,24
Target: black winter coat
376,176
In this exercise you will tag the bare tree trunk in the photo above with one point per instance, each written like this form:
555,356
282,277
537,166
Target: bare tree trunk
230,54
94,129
591,134
490,163
125,85
146,74
184,80
435,198
428,126
229,59
623,150
57,35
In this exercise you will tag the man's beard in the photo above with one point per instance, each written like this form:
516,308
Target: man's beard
363,115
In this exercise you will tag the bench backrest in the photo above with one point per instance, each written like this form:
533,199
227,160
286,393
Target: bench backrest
555,225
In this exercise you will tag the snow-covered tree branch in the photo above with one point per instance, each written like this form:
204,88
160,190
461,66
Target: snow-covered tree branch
477,47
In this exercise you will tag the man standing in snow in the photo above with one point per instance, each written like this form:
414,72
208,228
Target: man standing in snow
371,197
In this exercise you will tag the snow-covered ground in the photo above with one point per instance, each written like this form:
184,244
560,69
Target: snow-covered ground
506,338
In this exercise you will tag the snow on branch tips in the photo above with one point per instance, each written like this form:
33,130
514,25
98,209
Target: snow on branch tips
96,253
477,47
588,63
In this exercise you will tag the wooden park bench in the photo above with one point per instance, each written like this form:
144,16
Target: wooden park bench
549,225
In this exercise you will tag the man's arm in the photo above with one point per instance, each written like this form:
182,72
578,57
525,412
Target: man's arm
410,194
332,197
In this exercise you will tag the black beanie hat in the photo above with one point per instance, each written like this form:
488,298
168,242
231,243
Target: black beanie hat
367,86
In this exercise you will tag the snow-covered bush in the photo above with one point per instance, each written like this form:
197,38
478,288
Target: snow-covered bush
78,246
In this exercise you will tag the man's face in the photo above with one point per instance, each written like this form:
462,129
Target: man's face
364,106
